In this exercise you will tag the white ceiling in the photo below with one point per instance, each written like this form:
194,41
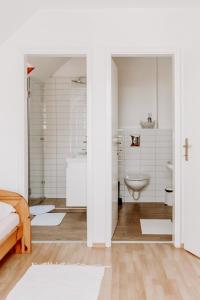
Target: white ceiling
45,66
14,14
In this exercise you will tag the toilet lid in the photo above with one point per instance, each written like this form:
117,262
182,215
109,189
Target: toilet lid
137,176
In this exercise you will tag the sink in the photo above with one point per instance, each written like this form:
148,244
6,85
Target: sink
169,166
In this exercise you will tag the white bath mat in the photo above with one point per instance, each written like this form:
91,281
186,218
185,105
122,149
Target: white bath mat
156,226
41,209
49,219
50,282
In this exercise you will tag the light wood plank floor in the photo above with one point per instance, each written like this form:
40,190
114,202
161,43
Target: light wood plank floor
133,271
128,227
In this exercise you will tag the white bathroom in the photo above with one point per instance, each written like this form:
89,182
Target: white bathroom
57,151
142,148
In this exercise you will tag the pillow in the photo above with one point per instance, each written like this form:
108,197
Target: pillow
5,210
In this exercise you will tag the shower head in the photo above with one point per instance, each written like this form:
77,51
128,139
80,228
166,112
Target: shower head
80,80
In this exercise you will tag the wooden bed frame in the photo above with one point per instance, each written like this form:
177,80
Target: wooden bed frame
20,237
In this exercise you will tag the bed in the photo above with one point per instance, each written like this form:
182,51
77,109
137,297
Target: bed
15,232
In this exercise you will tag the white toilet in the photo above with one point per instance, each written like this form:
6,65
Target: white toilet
135,183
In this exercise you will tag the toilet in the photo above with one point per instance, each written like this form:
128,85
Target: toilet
135,183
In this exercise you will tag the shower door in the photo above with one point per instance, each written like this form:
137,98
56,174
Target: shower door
35,141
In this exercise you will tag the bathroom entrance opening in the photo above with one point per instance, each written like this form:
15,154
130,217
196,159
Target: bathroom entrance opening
57,146
144,141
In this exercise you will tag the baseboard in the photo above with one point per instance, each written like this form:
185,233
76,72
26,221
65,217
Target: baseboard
71,209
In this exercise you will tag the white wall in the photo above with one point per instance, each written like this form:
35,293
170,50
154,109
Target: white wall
76,66
138,91
165,93
94,31
45,66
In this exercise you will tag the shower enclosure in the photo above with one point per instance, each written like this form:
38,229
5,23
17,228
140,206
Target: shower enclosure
57,131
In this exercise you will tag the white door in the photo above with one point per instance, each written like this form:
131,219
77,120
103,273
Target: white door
191,197
114,146
191,168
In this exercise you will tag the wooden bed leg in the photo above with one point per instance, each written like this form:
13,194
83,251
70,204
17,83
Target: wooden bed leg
26,239
26,244
18,247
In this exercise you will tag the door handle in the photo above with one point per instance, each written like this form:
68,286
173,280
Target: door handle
186,146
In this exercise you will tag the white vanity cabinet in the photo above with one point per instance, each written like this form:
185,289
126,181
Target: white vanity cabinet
76,182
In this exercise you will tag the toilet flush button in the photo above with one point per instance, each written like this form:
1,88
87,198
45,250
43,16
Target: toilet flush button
135,140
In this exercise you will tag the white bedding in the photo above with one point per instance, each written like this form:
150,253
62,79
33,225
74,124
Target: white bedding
8,224
5,210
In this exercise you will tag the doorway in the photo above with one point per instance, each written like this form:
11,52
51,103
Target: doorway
144,147
57,152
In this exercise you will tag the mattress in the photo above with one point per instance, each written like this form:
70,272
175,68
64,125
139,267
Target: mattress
8,224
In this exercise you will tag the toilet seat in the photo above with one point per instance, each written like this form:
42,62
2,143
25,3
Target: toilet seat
137,177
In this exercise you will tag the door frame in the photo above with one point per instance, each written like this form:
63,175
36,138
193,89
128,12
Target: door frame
175,54
67,53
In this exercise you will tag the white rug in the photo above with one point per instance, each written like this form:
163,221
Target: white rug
49,219
156,226
41,209
59,282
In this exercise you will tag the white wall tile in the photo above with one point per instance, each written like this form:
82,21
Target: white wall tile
58,113
65,118
150,158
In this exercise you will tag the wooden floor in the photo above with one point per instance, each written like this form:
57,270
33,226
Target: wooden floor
58,202
128,227
133,271
72,228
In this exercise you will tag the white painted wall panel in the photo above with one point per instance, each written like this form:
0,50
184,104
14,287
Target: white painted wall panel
141,81
96,31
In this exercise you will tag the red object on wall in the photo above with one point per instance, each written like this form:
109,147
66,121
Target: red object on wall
30,69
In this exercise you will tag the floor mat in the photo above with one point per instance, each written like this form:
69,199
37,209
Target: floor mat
49,219
40,209
50,282
156,226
